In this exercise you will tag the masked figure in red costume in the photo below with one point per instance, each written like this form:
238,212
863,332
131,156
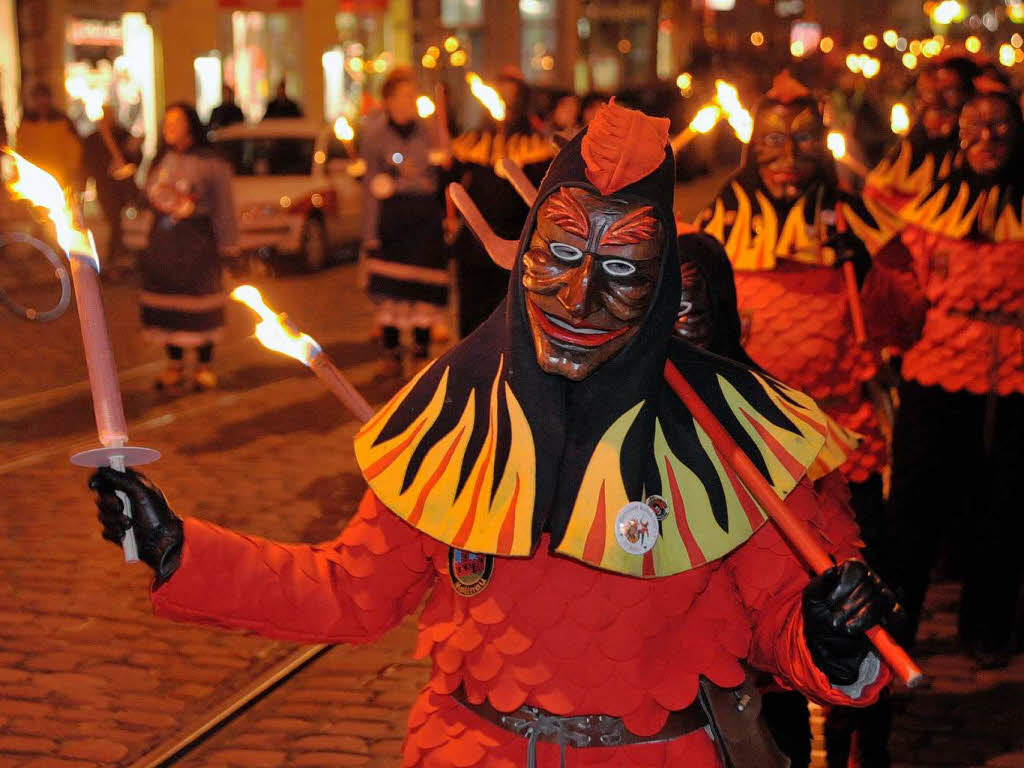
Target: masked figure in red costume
950,292
925,155
777,218
593,570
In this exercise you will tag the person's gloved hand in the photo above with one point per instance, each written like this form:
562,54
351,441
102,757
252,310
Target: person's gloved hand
848,248
839,605
158,531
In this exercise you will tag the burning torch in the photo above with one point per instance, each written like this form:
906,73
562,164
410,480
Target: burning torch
41,189
276,333
836,143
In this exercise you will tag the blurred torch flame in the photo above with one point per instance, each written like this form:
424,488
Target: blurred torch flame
739,118
343,129
705,119
486,95
273,331
32,183
425,106
836,143
899,119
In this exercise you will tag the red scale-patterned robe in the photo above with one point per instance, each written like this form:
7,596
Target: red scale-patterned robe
793,307
546,631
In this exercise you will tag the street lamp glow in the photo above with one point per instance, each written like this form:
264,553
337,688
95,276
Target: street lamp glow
451,44
797,48
890,37
909,60
870,66
826,45
870,42
1007,55
684,82
853,63
947,12
972,44
757,38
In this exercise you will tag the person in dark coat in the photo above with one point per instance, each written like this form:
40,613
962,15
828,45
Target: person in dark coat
182,302
282,106
111,171
403,239
227,112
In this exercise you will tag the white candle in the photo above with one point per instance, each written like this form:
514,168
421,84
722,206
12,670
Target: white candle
99,357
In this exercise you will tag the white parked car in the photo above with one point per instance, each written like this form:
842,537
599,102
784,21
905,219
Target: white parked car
296,190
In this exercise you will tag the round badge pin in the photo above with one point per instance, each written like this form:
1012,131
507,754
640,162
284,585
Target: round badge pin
636,528
470,572
659,505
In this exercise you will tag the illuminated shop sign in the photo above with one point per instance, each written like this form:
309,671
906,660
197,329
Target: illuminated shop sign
102,32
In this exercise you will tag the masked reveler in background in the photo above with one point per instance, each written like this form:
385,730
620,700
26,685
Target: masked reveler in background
779,220
925,155
597,576
482,285
950,292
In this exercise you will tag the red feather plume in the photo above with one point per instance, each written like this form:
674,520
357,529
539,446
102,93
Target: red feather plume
622,146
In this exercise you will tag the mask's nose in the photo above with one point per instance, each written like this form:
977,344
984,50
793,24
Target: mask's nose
576,295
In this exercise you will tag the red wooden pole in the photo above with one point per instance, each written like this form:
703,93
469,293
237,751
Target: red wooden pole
792,528
852,291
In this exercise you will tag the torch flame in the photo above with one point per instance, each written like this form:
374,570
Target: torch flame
705,119
273,331
836,143
486,96
899,118
32,183
343,130
728,98
425,106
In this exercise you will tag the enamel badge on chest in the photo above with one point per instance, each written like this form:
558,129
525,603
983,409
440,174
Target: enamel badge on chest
470,572
636,528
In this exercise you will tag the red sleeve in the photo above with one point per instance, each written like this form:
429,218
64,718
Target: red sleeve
351,590
893,300
770,579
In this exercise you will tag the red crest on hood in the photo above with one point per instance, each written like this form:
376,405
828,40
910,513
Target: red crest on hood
622,146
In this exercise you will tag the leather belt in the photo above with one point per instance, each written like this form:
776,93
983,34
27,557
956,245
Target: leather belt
535,724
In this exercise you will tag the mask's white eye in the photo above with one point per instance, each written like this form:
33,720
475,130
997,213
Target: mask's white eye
565,252
685,307
618,267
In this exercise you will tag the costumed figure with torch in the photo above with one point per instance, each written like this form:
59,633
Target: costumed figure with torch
789,231
607,523
403,241
949,293
505,131
925,154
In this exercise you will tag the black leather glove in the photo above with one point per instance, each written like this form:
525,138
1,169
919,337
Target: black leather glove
849,248
839,605
158,531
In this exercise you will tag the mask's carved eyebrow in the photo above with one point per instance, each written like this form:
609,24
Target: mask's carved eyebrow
632,228
565,211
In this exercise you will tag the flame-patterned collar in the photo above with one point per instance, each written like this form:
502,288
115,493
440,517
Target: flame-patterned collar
756,231
461,465
963,208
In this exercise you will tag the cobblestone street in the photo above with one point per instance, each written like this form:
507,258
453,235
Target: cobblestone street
89,678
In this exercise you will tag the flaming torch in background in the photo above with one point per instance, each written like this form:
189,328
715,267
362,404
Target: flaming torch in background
836,143
486,95
706,118
739,118
899,119
277,334
41,189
